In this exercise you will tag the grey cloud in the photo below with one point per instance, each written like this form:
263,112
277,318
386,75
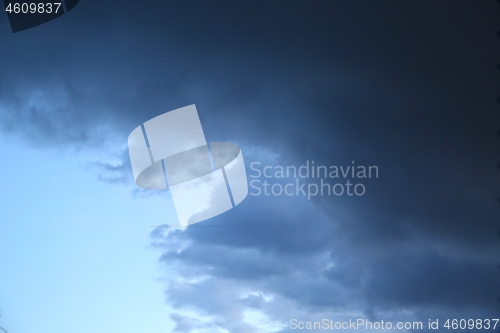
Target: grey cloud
409,87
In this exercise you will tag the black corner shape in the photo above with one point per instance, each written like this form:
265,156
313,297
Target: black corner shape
70,4
26,14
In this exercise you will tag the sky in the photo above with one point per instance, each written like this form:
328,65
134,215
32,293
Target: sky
409,87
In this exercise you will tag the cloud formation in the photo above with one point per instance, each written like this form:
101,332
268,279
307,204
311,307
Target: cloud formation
409,87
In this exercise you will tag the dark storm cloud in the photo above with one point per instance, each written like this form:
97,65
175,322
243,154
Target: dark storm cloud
409,87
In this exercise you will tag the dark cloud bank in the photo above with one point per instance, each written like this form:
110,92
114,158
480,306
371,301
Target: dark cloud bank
407,86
